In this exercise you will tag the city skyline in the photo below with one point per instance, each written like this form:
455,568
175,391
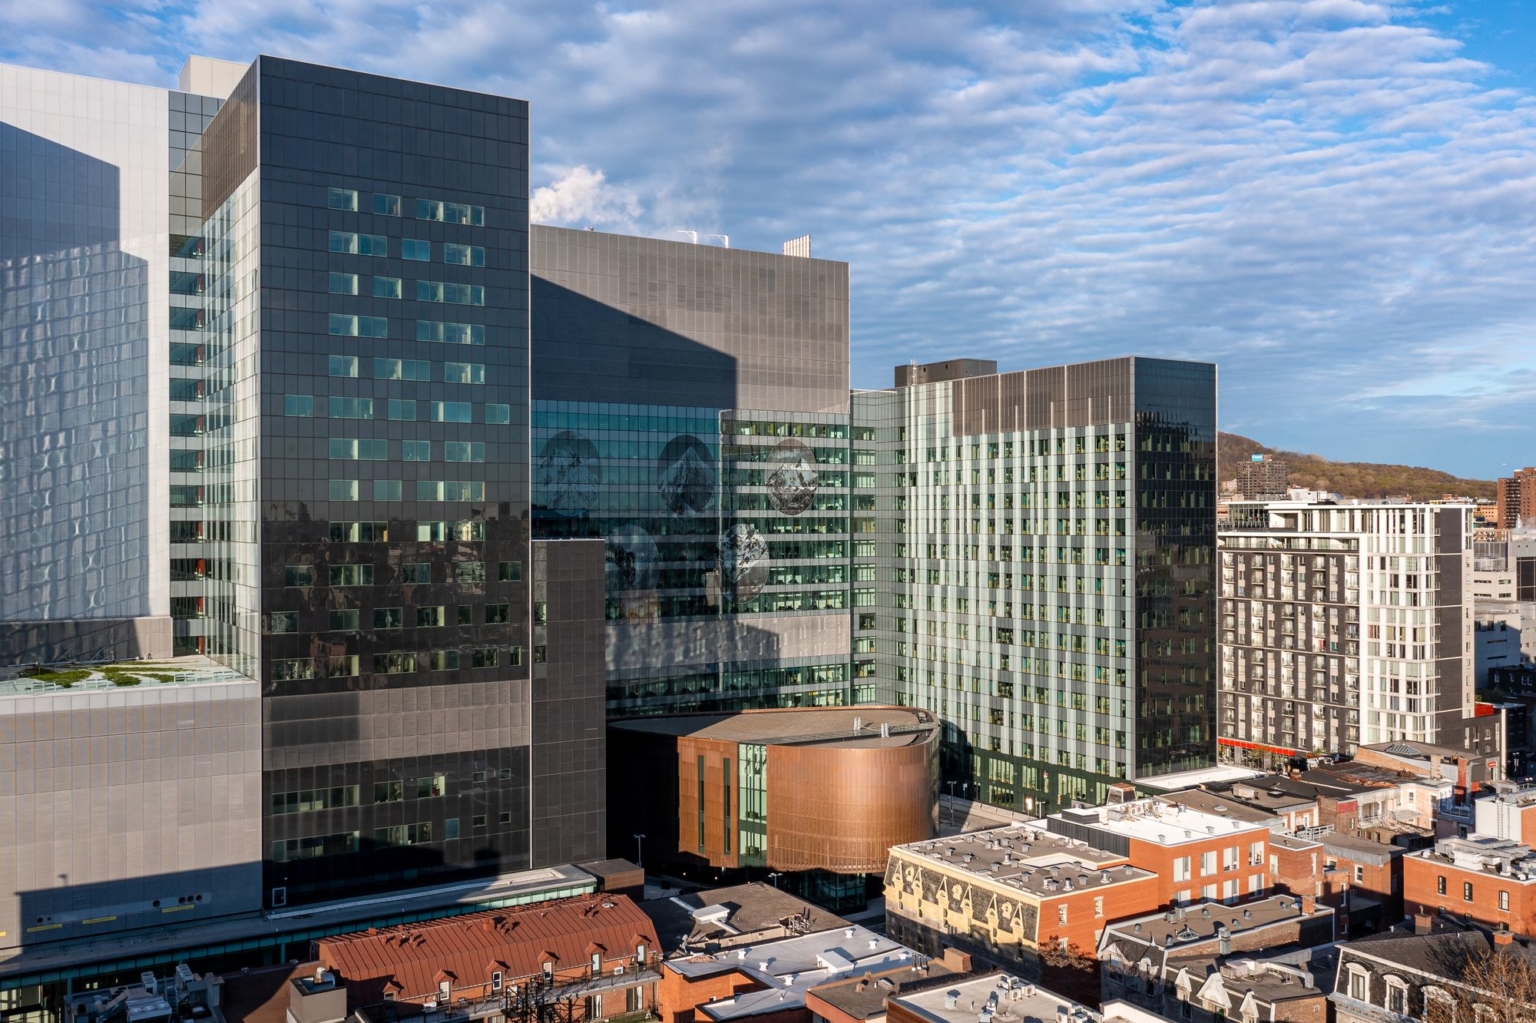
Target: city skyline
1236,186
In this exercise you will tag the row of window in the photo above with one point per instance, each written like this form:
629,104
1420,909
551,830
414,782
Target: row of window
398,409
378,532
388,205
349,325
411,573
402,662
376,449
426,291
407,369
351,243
394,490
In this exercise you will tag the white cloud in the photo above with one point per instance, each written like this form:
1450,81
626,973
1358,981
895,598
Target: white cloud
1321,195
582,197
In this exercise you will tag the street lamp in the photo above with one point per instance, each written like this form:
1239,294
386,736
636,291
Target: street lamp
639,851
775,879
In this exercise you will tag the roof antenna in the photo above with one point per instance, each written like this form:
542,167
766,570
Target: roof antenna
725,239
693,236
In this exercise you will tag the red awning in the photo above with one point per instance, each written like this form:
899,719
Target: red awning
1240,744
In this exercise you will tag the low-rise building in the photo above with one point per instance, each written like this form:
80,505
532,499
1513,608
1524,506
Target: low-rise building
587,958
1296,865
746,914
768,982
1195,855
996,996
1142,958
1213,989
1481,879
1363,881
866,999
1424,974
1010,891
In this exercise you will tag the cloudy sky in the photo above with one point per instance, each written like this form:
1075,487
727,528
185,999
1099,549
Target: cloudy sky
1334,200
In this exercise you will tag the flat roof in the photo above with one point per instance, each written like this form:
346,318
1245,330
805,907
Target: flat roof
1158,821
966,1001
1026,858
856,726
1221,805
748,909
1198,921
1217,775
51,680
865,996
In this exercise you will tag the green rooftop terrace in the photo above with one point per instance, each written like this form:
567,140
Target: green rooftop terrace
172,671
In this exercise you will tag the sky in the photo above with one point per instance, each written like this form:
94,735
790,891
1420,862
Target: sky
1334,200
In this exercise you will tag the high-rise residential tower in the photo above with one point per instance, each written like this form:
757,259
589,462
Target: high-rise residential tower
1344,625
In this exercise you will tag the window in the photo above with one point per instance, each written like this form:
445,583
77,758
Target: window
388,617
432,786
450,212
464,372
469,572
342,199
279,622
359,532
368,448
456,294
343,284
387,490
497,614
410,248
597,963
310,800
495,974
346,325
1357,984
299,575
450,333
402,369
342,490
296,668
1359,874
498,414
345,621
398,663
416,450
431,617
416,573
298,404
1440,885
388,791
1397,996
451,412
1504,901
350,575
444,992
343,365
359,244
1061,914
350,408
464,451
451,828
509,571
386,287
388,205
464,255
1098,905
1207,863
1466,891
402,408
450,490
341,665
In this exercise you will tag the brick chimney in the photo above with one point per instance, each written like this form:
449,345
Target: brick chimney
957,961
1423,923
1308,905
1502,936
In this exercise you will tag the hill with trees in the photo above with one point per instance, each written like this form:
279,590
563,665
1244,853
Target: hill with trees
1351,479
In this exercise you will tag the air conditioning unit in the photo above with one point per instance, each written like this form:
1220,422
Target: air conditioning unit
279,897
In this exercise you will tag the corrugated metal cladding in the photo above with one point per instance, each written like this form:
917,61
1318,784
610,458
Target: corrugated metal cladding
1085,394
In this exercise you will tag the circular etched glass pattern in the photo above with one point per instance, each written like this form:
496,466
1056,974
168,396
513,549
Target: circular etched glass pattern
743,559
792,477
685,476
569,473
631,555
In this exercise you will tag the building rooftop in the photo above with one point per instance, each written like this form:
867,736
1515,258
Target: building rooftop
1158,821
994,998
862,726
1188,925
1222,806
865,997
1500,856
1275,793
1361,850
516,940
1270,981
1292,842
1420,751
790,967
726,917
1220,774
172,671
1026,858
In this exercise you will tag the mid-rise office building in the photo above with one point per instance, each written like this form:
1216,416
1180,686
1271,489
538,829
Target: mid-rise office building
1344,625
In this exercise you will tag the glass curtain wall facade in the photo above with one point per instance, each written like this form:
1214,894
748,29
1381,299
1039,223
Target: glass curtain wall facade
367,327
726,530
1042,548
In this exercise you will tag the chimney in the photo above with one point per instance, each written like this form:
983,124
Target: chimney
1422,923
1308,905
957,961
1502,935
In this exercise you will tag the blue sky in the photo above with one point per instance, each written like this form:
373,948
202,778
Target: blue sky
1333,199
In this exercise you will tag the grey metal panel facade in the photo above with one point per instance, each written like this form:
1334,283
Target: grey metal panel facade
639,320
127,808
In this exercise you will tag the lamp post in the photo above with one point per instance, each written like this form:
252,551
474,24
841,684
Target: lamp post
640,851
775,879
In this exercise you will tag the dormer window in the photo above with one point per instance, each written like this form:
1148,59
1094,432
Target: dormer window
444,991
640,954
496,980
549,971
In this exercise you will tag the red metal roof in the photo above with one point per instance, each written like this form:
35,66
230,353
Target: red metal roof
516,941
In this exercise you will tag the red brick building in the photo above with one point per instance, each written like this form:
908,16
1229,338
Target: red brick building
1515,499
1485,880
597,956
